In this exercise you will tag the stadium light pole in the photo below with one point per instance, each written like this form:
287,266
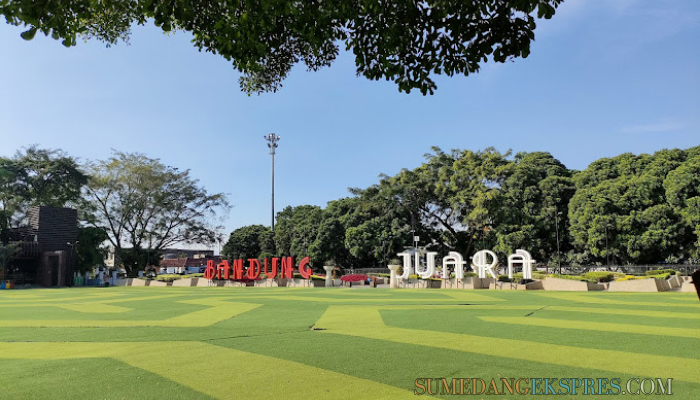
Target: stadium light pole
607,258
272,140
557,213
73,256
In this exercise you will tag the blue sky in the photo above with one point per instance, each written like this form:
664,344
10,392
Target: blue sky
604,77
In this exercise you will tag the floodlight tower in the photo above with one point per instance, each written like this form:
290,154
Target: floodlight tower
272,140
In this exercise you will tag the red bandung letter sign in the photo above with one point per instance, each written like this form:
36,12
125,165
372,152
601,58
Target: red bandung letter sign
210,271
303,269
237,271
272,273
253,268
287,268
223,266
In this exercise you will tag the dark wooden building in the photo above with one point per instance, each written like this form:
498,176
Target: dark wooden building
47,247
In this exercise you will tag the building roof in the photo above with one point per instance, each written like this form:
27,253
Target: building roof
173,263
187,262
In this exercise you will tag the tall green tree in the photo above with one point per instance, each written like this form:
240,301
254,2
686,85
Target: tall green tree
682,190
146,205
403,41
37,177
90,249
246,242
380,227
450,198
267,244
619,213
296,229
329,244
360,232
8,252
533,206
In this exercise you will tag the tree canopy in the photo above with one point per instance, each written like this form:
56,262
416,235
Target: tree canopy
407,42
246,242
144,204
638,209
622,210
532,205
37,177
628,209
295,230
90,250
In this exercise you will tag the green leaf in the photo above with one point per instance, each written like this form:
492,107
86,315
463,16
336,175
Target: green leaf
29,35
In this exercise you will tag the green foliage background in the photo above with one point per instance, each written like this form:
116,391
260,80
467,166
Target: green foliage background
628,209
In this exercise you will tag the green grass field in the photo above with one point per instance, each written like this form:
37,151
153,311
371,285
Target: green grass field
269,343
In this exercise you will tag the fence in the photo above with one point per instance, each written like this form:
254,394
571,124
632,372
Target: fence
684,269
366,271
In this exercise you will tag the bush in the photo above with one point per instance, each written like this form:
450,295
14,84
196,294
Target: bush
503,278
662,271
599,276
469,274
169,277
570,277
535,275
518,278
633,277
538,275
297,275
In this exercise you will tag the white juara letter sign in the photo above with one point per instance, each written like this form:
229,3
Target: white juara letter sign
429,270
455,259
426,272
523,258
406,265
484,261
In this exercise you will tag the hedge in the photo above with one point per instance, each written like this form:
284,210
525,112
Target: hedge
599,276
662,271
632,277
569,277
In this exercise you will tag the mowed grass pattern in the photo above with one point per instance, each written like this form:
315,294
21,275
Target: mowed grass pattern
335,343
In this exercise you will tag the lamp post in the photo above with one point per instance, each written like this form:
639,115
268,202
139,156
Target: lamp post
272,140
415,240
557,213
607,258
72,256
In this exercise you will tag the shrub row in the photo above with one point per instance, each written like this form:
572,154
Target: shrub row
380,275
662,271
599,276
174,277
657,276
